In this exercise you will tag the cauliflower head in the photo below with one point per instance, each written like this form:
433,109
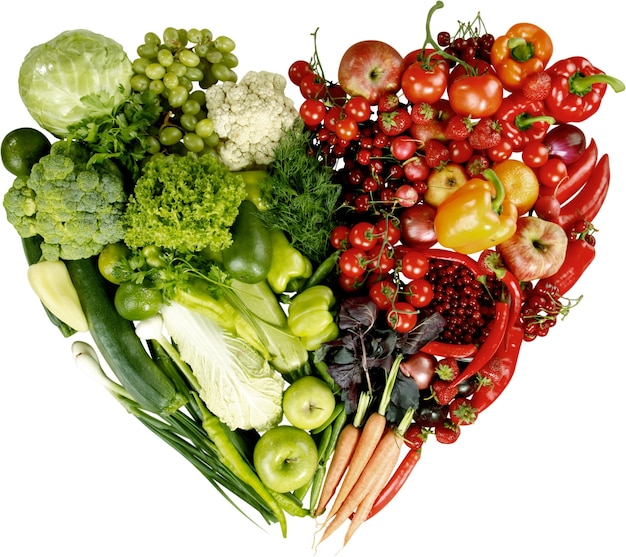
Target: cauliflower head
75,207
250,117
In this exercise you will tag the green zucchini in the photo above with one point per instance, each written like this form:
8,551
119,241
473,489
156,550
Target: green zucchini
121,348
249,257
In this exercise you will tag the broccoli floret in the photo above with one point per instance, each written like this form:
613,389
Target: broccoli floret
184,203
76,208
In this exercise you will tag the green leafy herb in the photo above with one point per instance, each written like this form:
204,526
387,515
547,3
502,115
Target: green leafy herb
300,195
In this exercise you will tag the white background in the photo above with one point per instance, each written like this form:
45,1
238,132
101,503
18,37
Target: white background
540,473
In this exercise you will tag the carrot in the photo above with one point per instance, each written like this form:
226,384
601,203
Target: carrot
371,434
344,451
375,475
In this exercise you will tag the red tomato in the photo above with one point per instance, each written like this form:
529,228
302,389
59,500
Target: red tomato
312,86
476,96
535,154
358,108
421,84
353,262
501,152
402,317
312,112
552,173
420,292
298,70
382,260
414,264
348,283
362,235
382,293
339,237
333,114
388,230
347,128
460,150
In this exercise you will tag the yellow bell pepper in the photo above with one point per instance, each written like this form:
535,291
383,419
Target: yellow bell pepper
477,216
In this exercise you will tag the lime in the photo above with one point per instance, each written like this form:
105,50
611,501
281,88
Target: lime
22,148
136,302
111,263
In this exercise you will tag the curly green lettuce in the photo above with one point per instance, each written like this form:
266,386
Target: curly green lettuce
186,203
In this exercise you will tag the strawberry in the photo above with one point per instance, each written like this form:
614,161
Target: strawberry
485,134
422,113
447,369
537,86
388,102
490,262
443,392
458,127
462,412
476,165
448,432
436,153
396,122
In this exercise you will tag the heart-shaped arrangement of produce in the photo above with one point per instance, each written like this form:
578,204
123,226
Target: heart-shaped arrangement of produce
297,300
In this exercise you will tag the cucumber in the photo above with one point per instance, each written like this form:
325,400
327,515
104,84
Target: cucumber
249,257
121,348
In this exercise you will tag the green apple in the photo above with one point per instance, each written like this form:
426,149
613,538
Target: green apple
285,458
308,402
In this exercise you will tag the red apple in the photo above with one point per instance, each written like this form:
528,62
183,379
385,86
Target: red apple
370,69
536,250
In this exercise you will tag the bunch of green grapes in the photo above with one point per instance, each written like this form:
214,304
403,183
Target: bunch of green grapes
179,67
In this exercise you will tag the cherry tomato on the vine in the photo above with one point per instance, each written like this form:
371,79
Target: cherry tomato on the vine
381,259
298,70
312,86
348,283
362,235
402,317
339,237
382,293
420,292
347,128
353,262
312,112
387,229
414,264
333,114
359,108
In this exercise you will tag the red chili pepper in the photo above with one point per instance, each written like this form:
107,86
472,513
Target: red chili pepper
579,255
588,201
499,370
522,120
449,350
577,89
397,480
577,174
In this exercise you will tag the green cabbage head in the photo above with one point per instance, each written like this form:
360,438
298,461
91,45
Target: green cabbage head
78,74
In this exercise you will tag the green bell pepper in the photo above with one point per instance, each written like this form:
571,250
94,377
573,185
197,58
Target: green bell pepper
311,318
288,265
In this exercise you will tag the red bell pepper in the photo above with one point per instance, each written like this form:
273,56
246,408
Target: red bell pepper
522,120
577,89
